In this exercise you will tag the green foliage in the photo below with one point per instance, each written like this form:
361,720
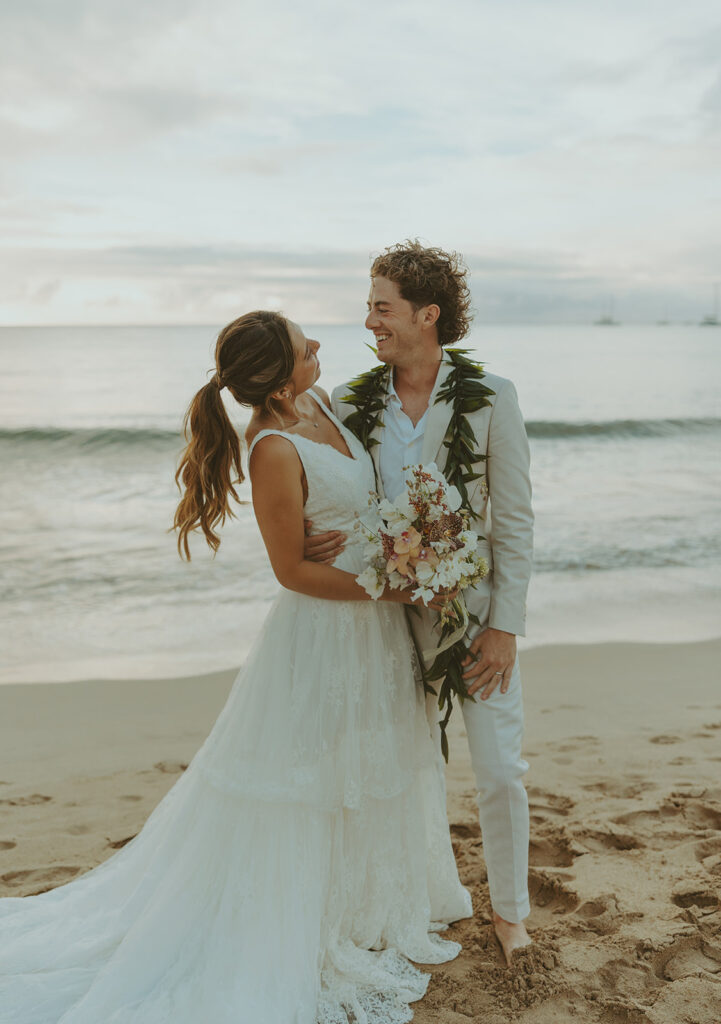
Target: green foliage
368,394
465,391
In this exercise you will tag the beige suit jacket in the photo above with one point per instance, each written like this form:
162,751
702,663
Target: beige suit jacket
501,497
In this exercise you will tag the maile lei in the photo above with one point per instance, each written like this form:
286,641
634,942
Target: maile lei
464,390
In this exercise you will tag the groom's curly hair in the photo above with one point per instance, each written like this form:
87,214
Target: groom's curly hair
429,275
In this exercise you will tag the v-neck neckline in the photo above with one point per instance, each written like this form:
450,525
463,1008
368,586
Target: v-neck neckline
319,401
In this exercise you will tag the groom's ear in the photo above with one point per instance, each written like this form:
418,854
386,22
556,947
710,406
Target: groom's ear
429,315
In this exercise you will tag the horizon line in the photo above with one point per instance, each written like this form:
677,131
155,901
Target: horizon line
354,323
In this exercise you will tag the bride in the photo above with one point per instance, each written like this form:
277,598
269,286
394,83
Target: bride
303,859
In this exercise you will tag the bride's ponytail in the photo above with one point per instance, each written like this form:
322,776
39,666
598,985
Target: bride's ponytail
206,468
254,358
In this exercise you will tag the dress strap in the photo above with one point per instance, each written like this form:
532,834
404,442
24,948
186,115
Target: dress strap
264,433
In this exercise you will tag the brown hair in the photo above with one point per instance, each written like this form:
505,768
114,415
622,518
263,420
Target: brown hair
428,276
254,357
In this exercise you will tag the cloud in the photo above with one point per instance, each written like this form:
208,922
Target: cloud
152,144
198,284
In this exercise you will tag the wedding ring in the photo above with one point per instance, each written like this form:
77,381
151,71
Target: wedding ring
498,673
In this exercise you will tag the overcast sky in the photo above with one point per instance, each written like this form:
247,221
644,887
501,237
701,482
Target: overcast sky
181,162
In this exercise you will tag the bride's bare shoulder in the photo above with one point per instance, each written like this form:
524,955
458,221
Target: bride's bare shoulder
256,425
322,394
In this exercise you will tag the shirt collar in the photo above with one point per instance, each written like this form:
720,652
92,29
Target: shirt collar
392,394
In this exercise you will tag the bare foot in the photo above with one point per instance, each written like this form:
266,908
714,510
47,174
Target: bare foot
510,936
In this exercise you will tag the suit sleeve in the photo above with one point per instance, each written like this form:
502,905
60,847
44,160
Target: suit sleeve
339,409
509,489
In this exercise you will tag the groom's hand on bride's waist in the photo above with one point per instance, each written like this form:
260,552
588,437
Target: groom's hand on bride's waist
489,663
322,547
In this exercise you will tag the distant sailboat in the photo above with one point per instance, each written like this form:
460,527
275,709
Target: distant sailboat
607,319
712,320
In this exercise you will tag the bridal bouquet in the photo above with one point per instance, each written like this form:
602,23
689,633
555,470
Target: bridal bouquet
423,541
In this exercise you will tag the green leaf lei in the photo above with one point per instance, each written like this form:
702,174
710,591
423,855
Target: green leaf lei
465,391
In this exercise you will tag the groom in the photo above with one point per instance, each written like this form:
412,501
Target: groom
418,304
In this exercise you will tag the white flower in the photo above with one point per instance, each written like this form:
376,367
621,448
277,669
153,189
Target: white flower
387,510
469,539
425,594
373,549
453,498
395,529
424,572
403,506
370,582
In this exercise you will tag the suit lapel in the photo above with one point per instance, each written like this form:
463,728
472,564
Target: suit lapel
437,423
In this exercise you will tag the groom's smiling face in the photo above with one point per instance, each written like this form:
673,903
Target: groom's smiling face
396,324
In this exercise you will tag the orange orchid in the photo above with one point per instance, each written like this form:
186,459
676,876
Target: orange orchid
399,563
429,556
409,543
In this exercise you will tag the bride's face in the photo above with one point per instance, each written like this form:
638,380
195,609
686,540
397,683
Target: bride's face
307,367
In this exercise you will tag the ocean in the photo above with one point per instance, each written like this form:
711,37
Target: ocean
625,429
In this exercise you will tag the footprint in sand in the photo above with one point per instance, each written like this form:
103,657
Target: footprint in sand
41,879
701,813
619,790
707,847
685,956
463,831
542,803
550,897
130,796
21,801
622,979
576,743
609,836
664,739
116,844
77,830
600,915
170,767
708,853
7,844
551,851
691,893
681,808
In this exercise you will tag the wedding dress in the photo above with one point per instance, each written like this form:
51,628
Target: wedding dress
301,861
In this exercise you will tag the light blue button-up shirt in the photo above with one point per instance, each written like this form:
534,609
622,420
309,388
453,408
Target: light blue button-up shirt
402,443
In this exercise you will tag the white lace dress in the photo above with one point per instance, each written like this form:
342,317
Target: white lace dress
299,863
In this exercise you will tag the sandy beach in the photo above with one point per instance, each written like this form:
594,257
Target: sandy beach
624,747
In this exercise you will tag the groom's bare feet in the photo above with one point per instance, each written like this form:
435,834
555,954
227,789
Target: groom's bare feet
510,936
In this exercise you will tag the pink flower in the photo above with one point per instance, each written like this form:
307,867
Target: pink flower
409,543
399,563
428,555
